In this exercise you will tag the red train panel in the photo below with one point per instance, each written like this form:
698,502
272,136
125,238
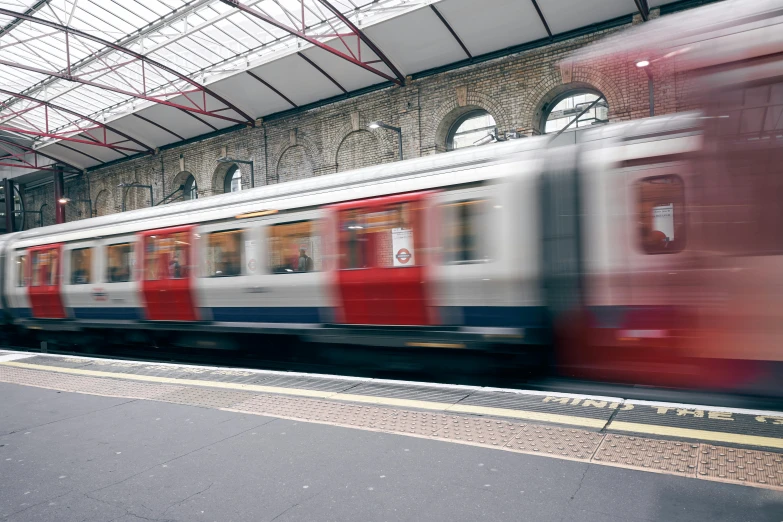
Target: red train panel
167,278
381,252
45,267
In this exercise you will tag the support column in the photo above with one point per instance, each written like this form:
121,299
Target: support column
59,193
8,189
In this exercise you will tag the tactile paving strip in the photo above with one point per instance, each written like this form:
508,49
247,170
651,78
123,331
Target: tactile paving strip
667,456
413,422
486,432
732,465
740,465
551,440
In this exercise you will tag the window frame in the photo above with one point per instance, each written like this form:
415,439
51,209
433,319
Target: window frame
681,238
90,275
25,279
454,129
132,269
204,235
316,229
483,242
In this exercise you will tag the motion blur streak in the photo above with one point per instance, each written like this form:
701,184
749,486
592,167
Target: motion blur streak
651,252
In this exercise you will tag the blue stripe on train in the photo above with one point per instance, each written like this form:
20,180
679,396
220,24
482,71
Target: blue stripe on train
109,312
259,314
22,313
500,316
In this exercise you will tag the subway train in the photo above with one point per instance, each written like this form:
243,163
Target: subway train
646,252
601,259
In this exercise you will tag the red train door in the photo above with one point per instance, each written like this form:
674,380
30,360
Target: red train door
381,270
167,278
44,290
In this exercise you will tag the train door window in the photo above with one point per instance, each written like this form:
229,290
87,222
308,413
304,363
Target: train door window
45,267
224,258
382,238
81,266
463,241
119,266
294,248
661,214
21,265
353,240
166,257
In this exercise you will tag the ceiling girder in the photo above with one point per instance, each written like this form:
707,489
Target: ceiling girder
20,160
140,89
354,58
67,133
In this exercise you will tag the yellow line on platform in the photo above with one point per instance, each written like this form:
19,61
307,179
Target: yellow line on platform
688,433
570,420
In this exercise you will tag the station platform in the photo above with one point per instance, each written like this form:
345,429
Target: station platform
96,439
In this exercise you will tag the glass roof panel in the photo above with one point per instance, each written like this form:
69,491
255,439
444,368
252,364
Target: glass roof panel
202,39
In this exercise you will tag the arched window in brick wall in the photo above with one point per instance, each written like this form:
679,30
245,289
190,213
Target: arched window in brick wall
474,128
191,188
102,203
19,215
233,180
568,105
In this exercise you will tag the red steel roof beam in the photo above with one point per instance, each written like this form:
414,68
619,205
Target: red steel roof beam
49,105
299,34
66,75
28,150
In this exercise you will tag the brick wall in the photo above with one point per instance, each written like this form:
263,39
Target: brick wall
515,89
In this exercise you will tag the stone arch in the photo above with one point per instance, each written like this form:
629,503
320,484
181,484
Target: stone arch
309,150
361,148
447,114
386,139
180,180
46,218
552,89
219,176
294,163
103,203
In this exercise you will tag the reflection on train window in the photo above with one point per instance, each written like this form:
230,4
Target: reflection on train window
21,265
223,254
380,238
294,247
81,266
120,262
463,225
661,214
166,256
46,265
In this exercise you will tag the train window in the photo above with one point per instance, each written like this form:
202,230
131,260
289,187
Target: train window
166,256
81,266
21,264
294,247
224,257
382,238
46,265
463,241
661,214
120,262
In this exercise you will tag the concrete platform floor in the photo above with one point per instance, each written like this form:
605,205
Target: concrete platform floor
73,457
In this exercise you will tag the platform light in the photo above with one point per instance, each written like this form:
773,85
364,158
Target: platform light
374,125
64,200
642,63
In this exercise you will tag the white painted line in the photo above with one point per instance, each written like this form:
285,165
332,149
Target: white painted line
15,356
740,411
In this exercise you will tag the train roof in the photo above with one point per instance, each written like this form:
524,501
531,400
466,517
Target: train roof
720,33
380,179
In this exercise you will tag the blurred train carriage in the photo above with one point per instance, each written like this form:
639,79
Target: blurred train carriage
651,252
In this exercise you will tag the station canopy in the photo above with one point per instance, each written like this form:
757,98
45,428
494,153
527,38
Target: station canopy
86,82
